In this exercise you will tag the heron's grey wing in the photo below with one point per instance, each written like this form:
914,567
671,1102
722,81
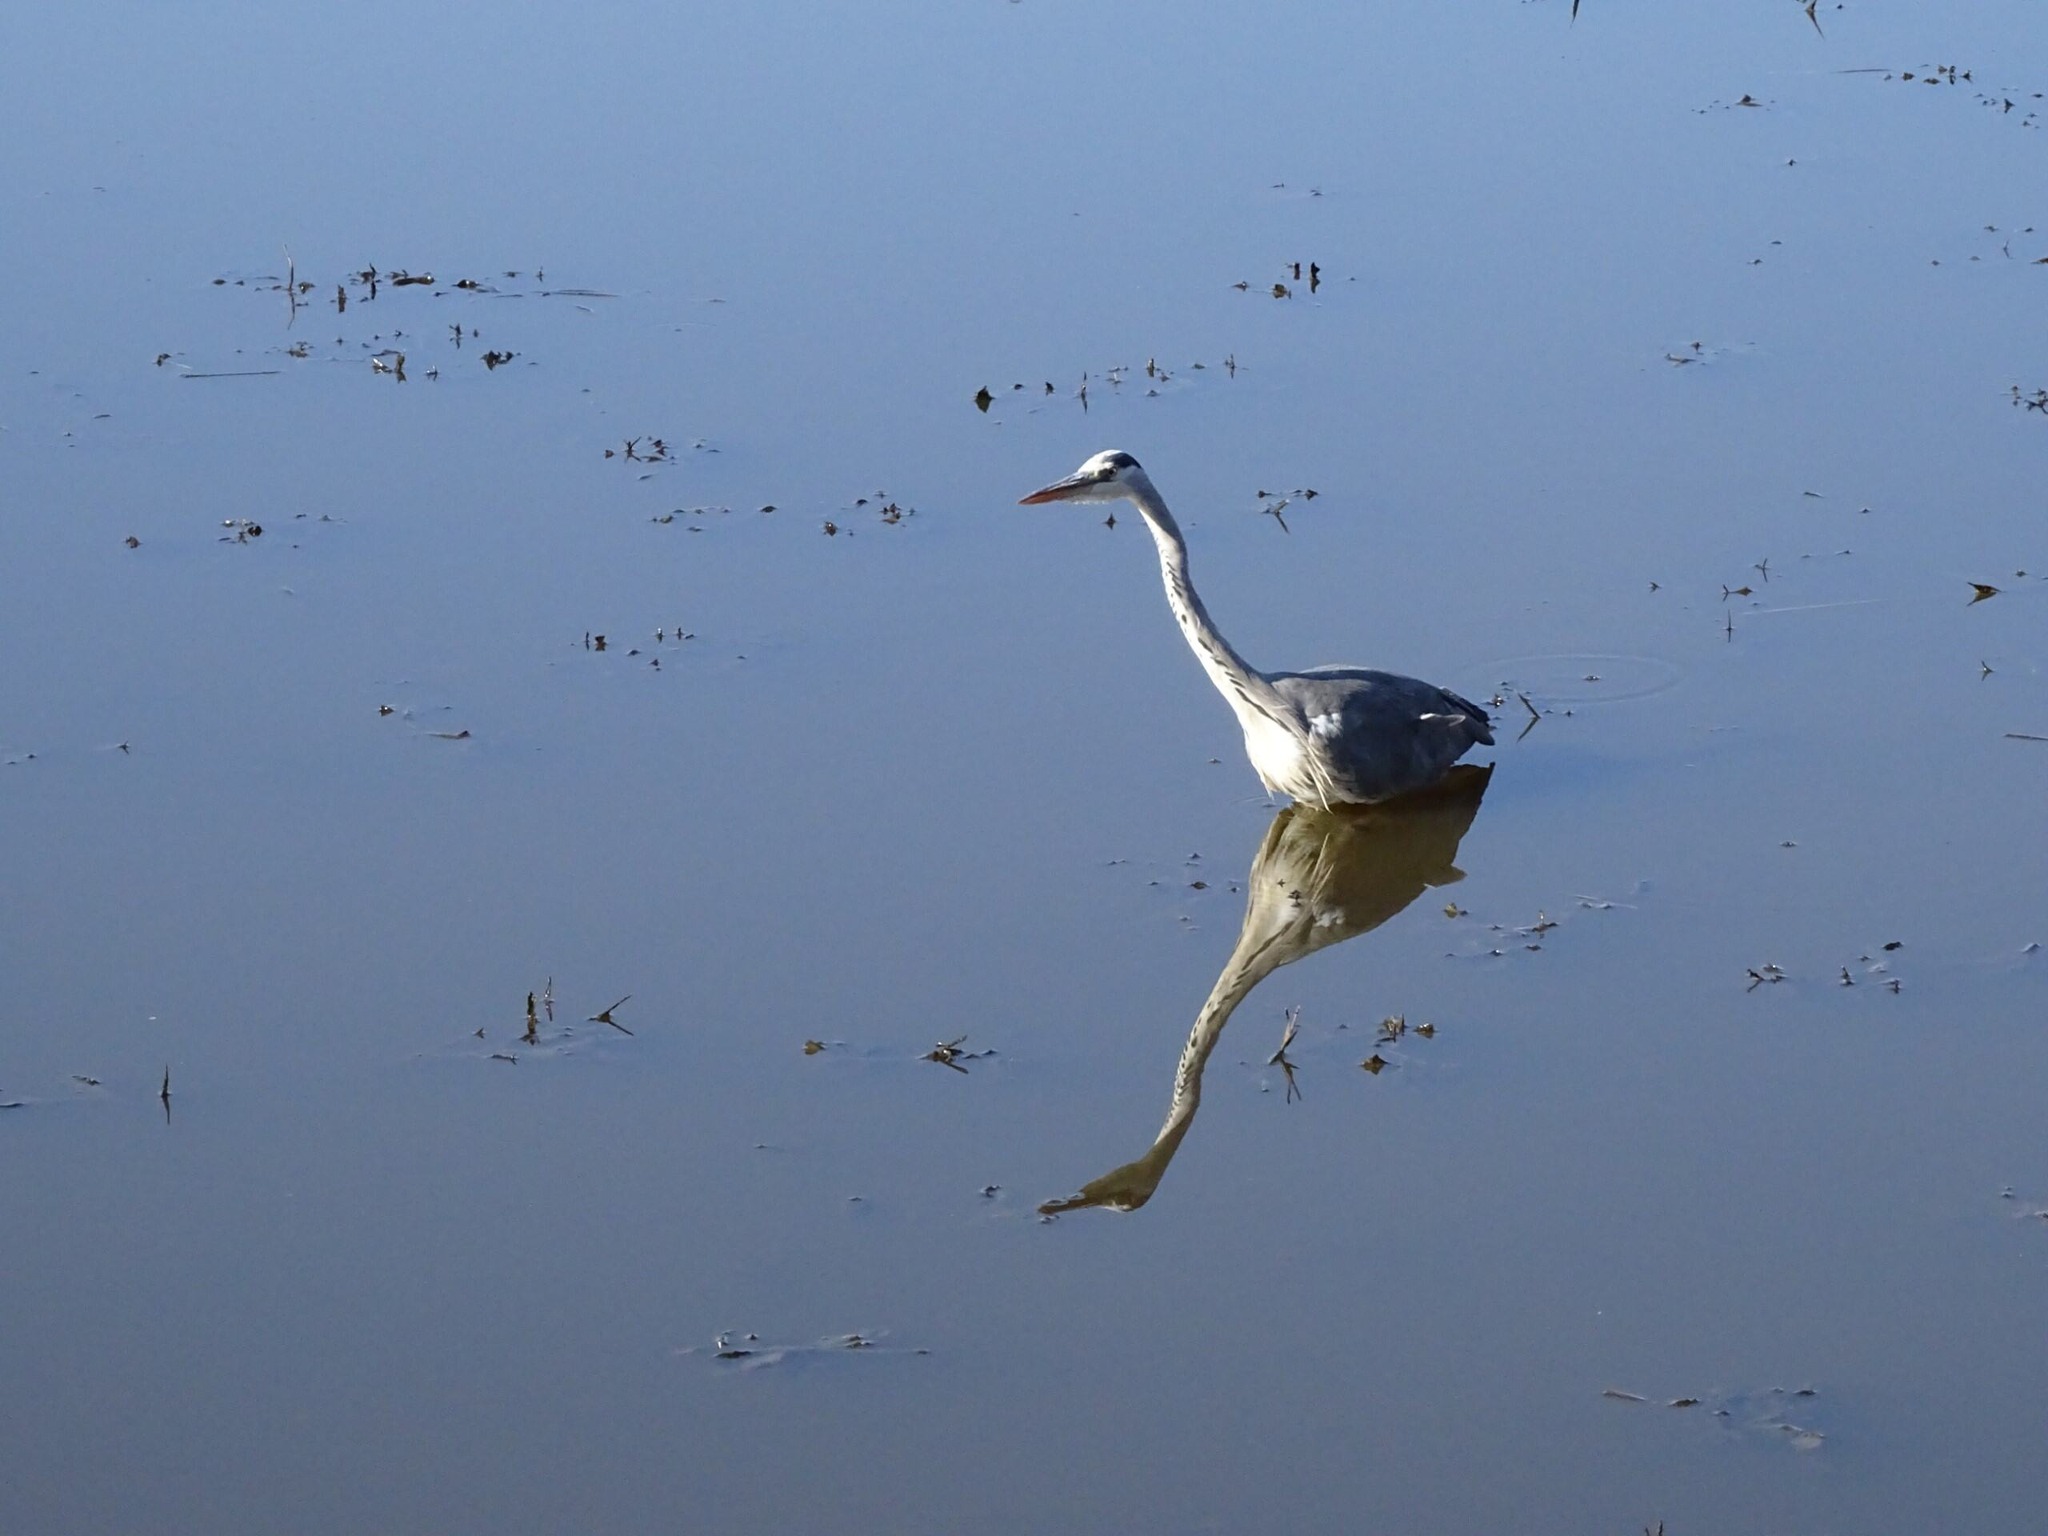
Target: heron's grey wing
1382,734
1480,722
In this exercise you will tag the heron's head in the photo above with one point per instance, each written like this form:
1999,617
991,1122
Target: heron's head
1109,476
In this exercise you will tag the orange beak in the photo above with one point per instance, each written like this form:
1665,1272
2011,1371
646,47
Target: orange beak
1059,490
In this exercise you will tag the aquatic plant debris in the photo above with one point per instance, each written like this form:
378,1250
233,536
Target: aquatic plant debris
748,1351
604,1015
948,1053
1280,1057
1763,1413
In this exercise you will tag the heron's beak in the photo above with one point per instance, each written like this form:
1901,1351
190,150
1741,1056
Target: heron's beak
1059,490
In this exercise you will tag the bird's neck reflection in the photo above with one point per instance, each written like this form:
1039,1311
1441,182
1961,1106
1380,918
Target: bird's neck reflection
1321,877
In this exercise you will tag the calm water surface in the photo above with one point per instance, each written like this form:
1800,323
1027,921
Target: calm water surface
1667,370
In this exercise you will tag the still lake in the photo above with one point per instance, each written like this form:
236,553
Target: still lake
505,512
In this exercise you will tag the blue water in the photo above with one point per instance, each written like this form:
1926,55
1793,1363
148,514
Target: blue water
1591,348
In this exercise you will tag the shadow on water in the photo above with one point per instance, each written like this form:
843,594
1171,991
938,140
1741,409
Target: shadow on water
1320,877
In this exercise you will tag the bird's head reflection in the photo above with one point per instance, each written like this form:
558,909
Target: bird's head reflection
1321,877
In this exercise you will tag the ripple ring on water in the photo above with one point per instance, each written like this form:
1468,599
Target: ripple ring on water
1581,679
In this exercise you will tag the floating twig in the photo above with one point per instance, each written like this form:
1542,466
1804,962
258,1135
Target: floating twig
1280,1058
606,1016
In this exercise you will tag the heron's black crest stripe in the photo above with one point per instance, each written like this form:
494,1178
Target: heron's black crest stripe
1120,461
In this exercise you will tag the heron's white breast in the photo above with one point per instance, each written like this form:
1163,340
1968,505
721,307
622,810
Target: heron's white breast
1276,756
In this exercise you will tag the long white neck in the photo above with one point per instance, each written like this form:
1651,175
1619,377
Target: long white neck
1244,688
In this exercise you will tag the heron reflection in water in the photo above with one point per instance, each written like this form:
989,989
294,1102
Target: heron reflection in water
1321,877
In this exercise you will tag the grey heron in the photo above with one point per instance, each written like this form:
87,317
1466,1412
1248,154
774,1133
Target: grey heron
1328,736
